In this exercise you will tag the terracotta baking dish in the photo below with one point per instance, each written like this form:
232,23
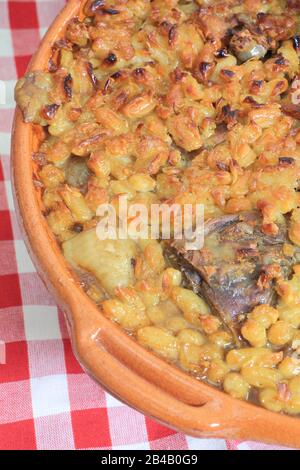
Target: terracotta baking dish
119,364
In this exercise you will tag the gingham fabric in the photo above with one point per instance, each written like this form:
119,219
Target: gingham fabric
46,401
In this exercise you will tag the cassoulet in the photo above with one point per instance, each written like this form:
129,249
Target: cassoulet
183,102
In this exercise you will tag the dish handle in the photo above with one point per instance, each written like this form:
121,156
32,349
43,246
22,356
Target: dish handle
216,415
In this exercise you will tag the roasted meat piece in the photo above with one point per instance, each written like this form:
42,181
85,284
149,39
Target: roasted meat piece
245,45
255,38
237,268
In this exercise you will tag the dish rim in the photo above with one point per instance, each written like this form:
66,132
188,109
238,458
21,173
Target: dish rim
107,353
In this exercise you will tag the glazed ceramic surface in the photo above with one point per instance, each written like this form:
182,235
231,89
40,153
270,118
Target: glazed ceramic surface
124,368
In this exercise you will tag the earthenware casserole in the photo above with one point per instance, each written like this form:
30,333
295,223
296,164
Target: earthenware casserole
129,372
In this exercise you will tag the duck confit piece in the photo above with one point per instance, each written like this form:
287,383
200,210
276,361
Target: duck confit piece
237,268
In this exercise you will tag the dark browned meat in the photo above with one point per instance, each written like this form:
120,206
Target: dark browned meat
237,267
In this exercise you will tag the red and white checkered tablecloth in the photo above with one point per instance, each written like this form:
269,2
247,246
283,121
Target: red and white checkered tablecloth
46,401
